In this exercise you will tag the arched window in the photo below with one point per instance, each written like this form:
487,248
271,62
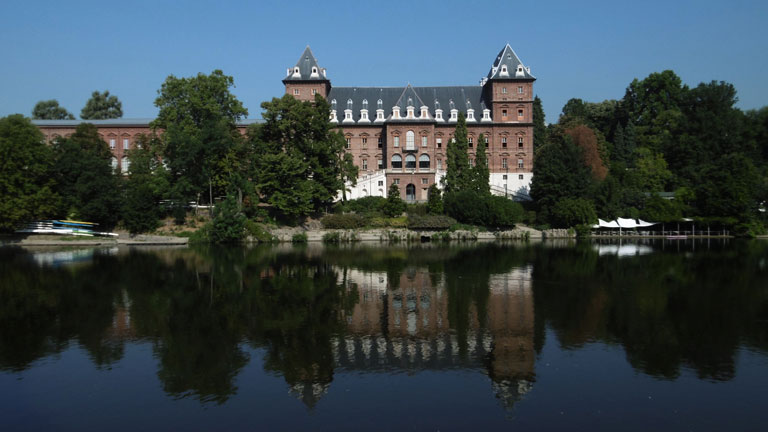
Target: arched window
410,192
409,141
126,164
424,161
397,161
410,161
114,163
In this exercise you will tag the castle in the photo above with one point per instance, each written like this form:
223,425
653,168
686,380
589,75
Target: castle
397,134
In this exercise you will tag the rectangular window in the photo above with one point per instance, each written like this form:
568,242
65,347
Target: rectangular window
519,163
439,164
379,143
349,142
485,138
519,114
471,142
423,141
504,177
314,92
504,163
365,164
396,142
296,92
520,142
471,163
397,181
112,144
381,164
504,90
424,181
381,182
439,142
504,142
520,90
504,113
126,144
365,142
520,177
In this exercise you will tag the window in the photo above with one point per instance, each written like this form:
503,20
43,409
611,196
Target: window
504,90
112,144
397,161
114,163
365,142
396,141
365,164
519,114
471,163
424,180
125,165
424,162
410,161
379,142
349,142
504,163
439,142
347,114
454,115
381,182
520,90
126,144
503,113
520,177
409,141
504,177
423,141
519,163
439,164
397,181
504,142
485,139
471,142
520,142
295,92
314,92
381,165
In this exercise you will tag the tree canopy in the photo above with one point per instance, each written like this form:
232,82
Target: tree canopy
50,110
102,106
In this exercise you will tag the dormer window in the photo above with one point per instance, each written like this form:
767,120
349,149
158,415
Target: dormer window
504,70
439,114
314,71
333,117
486,115
470,115
410,112
379,115
424,112
520,71
395,112
454,115
348,115
296,72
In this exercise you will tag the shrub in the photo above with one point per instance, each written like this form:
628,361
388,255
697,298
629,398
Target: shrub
257,232
416,209
229,223
343,221
395,206
485,210
435,200
369,204
331,237
299,238
570,212
430,222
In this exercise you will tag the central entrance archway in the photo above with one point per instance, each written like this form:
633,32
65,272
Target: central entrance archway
410,192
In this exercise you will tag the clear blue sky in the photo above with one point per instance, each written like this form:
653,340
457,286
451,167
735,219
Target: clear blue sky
587,49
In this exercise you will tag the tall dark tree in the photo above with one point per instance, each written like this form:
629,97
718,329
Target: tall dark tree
145,187
89,189
26,181
198,116
50,110
458,175
539,125
653,105
102,106
480,173
395,206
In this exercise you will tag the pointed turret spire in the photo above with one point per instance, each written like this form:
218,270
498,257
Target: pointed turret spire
508,66
306,69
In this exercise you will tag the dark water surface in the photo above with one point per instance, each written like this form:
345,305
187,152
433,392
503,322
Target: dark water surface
549,336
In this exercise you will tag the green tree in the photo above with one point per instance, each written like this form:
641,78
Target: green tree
102,106
570,212
434,200
228,225
199,118
395,205
145,187
84,179
458,176
480,174
26,181
653,105
539,125
50,110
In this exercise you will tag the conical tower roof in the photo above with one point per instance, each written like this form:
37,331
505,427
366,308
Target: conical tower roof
508,66
306,69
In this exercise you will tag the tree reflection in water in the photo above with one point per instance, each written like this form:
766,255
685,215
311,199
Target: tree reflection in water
318,311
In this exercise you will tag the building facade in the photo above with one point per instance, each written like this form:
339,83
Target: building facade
400,134
396,134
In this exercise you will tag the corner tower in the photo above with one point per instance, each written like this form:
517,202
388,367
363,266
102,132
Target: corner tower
509,88
307,78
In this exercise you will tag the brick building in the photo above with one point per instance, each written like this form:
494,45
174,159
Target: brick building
400,134
397,134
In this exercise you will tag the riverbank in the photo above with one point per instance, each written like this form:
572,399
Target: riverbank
124,238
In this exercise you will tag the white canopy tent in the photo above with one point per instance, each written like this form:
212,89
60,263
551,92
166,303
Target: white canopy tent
622,223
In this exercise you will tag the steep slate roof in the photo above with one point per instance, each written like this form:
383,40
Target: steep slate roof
508,57
305,64
463,98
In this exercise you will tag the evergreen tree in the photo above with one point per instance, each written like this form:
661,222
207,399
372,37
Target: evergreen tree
480,173
619,152
26,180
102,106
395,206
50,110
539,125
434,200
458,176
